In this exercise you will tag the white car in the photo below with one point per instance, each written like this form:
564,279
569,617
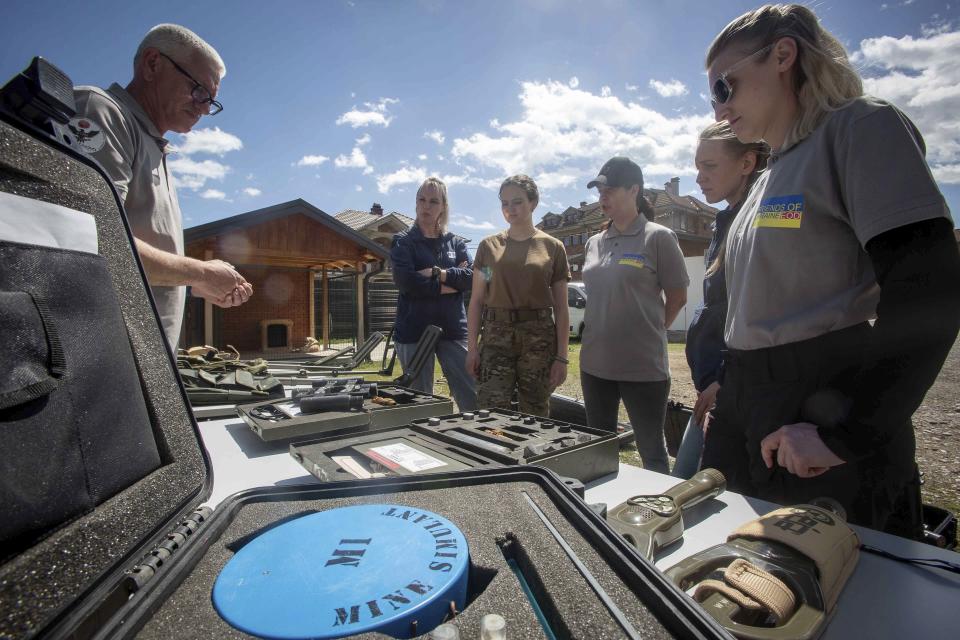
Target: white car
577,305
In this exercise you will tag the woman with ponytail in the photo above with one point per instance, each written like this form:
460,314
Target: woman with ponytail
845,227
636,283
726,169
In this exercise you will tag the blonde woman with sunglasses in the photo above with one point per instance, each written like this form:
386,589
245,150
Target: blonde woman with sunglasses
842,275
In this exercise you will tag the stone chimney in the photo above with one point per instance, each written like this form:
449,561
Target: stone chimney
376,209
583,204
672,187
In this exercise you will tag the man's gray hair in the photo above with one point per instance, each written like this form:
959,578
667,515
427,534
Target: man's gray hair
172,39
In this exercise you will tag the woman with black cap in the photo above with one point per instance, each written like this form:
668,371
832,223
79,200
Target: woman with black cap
636,283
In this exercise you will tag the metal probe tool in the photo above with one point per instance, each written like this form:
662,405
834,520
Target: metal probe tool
651,522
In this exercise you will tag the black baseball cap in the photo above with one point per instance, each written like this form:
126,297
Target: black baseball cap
618,172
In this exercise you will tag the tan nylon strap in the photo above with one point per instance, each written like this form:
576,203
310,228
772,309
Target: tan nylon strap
752,588
820,535
708,587
761,586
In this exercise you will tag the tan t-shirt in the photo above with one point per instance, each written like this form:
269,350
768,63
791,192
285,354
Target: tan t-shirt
519,273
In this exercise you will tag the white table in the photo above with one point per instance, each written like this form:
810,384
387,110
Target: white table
883,599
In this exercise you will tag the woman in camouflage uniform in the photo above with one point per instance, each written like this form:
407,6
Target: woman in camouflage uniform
520,299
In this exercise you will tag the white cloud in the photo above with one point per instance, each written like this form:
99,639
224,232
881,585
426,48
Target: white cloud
403,175
311,161
356,160
947,173
564,134
936,26
374,114
574,82
631,87
422,156
435,135
557,179
469,222
407,174
605,91
487,183
249,176
213,141
253,192
922,77
357,187
364,139
194,175
213,194
670,89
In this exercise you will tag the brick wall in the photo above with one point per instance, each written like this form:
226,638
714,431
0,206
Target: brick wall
278,294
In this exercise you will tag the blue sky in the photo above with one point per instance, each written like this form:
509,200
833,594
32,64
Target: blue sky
347,102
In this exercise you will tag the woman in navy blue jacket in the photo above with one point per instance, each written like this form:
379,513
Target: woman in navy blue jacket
726,168
432,269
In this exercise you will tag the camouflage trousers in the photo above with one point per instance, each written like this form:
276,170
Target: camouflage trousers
517,356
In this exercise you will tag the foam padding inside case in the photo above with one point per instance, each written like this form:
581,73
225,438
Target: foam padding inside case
486,514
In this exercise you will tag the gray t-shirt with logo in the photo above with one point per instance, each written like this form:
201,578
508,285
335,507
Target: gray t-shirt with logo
796,267
113,128
625,274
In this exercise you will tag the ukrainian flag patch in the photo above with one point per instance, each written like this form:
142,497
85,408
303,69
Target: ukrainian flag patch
637,260
783,212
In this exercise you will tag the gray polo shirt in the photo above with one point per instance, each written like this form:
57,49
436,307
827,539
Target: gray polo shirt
796,267
112,128
625,274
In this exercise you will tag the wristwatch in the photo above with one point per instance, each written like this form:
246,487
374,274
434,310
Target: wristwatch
436,272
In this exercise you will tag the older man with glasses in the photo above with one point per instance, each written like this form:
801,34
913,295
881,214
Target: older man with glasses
176,76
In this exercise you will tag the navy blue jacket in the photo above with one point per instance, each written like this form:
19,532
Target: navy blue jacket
420,303
705,335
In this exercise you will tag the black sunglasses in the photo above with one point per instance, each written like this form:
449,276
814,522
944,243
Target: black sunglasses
199,92
721,91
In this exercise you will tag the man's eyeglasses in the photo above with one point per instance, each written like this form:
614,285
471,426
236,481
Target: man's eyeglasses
721,91
199,92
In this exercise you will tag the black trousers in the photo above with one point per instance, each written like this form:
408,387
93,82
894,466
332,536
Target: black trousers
765,389
646,404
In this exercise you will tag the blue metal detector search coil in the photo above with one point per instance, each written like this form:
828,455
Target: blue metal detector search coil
375,567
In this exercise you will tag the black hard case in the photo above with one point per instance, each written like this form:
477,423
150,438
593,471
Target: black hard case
371,416
104,573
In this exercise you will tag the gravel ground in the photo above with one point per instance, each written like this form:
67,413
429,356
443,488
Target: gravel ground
937,423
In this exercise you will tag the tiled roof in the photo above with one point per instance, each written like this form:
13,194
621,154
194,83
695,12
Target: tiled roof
659,198
360,219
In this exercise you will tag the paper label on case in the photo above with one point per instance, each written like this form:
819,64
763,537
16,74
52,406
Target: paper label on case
408,457
28,221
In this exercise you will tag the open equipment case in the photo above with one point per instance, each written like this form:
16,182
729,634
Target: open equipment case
104,534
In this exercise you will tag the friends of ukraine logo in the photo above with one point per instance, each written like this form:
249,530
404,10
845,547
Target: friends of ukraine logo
637,260
783,212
